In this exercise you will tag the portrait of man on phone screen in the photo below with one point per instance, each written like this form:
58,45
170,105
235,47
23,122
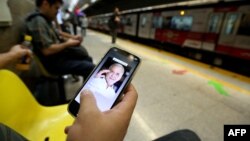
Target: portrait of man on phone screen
103,83
107,82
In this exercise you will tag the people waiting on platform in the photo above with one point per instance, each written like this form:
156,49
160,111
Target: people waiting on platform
73,20
59,55
84,24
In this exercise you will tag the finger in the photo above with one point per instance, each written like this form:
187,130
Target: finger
105,71
66,130
28,60
101,73
129,100
87,102
76,41
29,52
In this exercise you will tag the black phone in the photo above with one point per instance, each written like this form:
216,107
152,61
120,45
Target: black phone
108,80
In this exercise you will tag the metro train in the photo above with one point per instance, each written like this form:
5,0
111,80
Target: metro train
217,34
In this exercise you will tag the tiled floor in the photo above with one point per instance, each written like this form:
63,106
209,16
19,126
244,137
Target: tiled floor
177,93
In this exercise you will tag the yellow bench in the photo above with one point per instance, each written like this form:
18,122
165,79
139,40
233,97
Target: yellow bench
20,111
54,78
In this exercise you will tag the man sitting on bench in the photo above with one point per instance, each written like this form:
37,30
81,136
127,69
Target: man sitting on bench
57,55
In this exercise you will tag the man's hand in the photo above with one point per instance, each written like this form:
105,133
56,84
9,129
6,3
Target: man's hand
72,42
102,73
78,37
93,125
18,51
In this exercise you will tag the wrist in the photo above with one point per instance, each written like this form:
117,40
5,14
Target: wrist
66,44
12,54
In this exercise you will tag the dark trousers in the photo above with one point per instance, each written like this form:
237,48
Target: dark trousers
113,33
75,29
8,134
180,135
73,60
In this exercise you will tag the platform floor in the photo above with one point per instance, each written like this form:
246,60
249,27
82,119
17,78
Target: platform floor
178,93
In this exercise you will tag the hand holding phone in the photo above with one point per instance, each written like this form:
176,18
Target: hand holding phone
92,124
108,80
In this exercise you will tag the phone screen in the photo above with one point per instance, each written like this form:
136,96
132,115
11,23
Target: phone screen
108,79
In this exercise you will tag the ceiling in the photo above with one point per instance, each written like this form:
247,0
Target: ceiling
107,6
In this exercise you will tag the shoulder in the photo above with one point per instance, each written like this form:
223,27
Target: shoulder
35,17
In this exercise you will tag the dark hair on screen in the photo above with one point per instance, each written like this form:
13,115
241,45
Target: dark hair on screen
51,2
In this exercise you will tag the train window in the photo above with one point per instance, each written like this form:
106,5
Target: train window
244,28
231,23
105,20
166,24
143,21
157,22
215,22
123,20
182,23
129,21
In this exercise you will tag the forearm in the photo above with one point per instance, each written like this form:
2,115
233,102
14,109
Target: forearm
54,48
69,36
66,35
5,59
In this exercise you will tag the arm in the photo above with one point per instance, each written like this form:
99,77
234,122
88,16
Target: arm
91,124
5,58
65,34
15,53
68,36
55,48
45,39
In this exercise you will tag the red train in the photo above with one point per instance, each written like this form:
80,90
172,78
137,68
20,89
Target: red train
218,33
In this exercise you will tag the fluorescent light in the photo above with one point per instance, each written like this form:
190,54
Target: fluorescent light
86,5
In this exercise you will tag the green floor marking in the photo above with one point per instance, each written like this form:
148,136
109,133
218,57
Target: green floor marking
218,87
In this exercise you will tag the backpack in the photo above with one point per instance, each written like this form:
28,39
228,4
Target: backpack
24,29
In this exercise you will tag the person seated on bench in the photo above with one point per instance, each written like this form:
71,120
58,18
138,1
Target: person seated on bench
57,55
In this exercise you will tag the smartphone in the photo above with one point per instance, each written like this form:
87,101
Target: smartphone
108,80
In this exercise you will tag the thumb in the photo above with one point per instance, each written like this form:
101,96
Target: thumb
87,102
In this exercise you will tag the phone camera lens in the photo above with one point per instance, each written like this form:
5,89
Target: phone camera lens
131,57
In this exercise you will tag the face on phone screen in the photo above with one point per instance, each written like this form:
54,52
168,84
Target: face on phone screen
110,77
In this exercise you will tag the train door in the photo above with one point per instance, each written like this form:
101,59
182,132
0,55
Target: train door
234,39
213,29
156,24
145,25
229,30
214,23
130,26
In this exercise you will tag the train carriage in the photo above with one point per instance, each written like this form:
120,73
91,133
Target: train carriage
216,34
